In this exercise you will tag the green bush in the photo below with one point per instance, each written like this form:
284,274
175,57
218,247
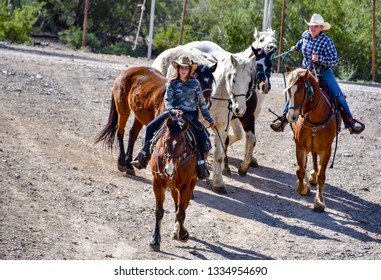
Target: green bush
17,25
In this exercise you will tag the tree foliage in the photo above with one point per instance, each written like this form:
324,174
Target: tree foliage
113,25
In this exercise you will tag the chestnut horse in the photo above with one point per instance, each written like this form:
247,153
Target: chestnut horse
173,164
139,89
315,123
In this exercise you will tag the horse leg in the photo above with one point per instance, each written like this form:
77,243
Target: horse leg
133,135
226,169
181,198
233,136
218,183
122,156
301,184
123,114
319,204
248,125
313,173
159,190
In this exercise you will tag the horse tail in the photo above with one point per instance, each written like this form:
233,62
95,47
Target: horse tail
107,135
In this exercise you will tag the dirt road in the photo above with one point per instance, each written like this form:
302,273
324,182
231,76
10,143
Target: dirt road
61,197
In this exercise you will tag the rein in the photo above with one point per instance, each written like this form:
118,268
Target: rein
283,56
160,159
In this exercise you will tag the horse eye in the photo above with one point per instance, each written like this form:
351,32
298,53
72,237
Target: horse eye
261,40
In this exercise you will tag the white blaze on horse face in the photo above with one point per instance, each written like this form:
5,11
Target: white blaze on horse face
293,113
170,167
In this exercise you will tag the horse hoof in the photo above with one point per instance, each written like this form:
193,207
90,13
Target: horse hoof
226,172
305,193
155,247
242,172
122,168
303,190
254,163
130,172
184,238
220,189
318,209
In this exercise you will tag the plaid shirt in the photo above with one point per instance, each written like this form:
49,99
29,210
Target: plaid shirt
186,96
322,45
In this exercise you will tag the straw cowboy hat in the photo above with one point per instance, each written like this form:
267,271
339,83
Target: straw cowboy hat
185,61
317,19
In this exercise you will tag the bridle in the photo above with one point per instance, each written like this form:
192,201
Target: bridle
308,93
181,157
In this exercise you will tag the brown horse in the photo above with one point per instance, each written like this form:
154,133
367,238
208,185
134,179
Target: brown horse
315,123
173,164
141,90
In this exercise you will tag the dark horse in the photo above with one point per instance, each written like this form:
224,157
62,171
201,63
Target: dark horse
141,90
259,86
173,164
315,123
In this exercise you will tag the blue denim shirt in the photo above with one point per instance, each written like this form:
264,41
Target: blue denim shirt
187,96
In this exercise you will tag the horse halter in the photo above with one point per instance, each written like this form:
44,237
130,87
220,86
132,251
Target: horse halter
167,155
309,93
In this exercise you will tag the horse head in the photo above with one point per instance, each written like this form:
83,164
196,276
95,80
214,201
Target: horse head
262,69
175,145
301,88
265,40
237,81
204,74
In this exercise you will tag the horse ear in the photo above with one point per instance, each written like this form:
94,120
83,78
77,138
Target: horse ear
256,34
169,122
255,51
214,67
287,70
305,75
233,60
185,126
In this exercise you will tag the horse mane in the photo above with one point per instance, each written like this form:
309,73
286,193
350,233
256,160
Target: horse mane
296,74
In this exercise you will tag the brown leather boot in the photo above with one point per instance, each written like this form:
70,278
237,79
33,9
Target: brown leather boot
279,124
355,127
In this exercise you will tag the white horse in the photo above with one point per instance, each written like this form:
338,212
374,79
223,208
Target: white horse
163,62
267,43
232,79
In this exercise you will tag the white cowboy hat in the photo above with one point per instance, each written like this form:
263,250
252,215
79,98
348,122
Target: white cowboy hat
185,61
317,19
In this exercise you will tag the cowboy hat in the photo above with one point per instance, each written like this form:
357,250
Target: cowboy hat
317,19
185,61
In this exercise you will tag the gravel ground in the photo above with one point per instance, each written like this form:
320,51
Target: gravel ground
61,197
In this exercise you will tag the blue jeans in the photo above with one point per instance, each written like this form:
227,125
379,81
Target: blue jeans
334,89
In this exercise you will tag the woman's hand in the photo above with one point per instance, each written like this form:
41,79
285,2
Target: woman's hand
315,57
176,112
